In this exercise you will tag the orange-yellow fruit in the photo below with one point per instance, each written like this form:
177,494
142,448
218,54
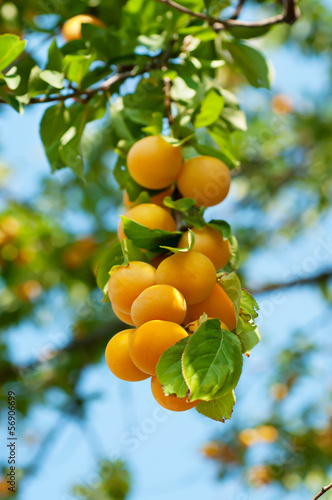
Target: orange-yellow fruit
72,29
158,259
205,179
210,243
124,317
154,163
162,302
127,282
157,199
151,340
282,104
118,358
172,403
191,273
149,215
217,305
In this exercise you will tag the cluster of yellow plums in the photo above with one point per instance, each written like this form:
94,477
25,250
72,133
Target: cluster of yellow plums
163,300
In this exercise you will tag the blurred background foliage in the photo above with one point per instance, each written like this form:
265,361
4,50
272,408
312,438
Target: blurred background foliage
282,193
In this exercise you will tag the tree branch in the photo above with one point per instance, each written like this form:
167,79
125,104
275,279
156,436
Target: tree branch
168,101
320,278
323,491
290,15
238,9
123,72
87,93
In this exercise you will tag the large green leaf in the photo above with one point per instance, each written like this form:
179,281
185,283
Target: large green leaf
249,339
11,46
219,409
169,370
232,286
211,362
210,110
149,239
202,149
251,63
190,213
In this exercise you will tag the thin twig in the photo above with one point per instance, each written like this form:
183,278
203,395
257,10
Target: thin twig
323,491
320,278
290,15
238,10
168,100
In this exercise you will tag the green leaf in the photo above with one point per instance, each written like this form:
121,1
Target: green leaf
232,286
191,242
76,66
11,46
181,205
234,260
248,339
36,85
118,121
223,139
156,125
210,110
61,131
219,409
154,41
236,118
169,370
180,90
191,214
248,304
55,58
222,226
52,127
131,252
112,256
246,328
121,173
212,362
12,101
251,62
202,149
12,78
248,32
149,239
53,78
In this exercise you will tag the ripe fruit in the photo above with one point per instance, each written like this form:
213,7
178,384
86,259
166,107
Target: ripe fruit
172,403
157,199
149,215
210,243
191,273
217,305
162,302
118,358
154,163
158,259
125,317
127,282
72,29
205,179
150,340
